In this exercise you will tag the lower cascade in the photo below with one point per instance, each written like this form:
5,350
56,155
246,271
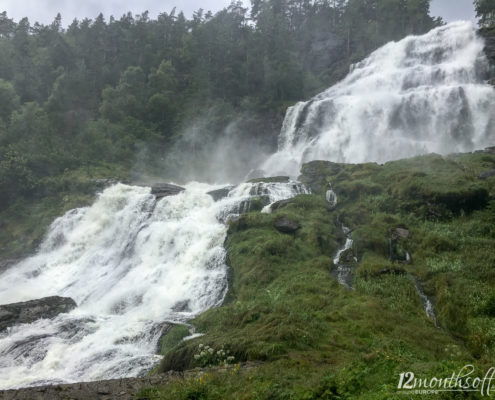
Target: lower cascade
131,262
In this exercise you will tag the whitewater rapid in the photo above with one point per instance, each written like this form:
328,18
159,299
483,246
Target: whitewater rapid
131,263
420,95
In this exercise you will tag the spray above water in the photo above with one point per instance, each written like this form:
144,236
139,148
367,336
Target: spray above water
419,95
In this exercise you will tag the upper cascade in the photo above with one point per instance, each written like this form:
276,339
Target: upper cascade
419,95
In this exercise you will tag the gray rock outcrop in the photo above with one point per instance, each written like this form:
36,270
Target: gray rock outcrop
285,225
161,190
30,311
219,194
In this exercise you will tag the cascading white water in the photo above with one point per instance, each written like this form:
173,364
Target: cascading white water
129,260
419,95
130,263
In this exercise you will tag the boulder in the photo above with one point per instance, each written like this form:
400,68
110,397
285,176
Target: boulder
182,306
347,258
399,238
315,174
30,311
400,233
486,174
280,204
161,190
285,225
219,194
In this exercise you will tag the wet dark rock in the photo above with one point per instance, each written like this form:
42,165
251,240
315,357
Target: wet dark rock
161,190
257,203
315,174
347,258
219,194
444,204
281,204
399,238
486,174
122,389
271,179
30,311
402,233
285,225
181,306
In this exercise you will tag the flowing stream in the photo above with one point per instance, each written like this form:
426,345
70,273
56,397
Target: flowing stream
419,95
131,263
344,261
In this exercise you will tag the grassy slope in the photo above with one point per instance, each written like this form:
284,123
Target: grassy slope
319,340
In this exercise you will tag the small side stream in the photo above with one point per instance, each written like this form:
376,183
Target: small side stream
427,302
345,263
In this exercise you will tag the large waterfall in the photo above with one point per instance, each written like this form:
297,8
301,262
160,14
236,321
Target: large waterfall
419,95
130,262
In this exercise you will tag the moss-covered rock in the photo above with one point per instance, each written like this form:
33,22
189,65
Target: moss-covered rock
271,179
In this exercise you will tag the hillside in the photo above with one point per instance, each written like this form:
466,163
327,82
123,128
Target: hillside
318,339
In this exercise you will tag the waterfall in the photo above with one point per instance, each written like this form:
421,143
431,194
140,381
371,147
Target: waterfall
331,198
419,95
131,263
427,302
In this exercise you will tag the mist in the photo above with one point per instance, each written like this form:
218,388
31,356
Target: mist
203,154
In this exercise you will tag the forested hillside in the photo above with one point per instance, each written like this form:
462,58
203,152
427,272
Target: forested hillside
104,97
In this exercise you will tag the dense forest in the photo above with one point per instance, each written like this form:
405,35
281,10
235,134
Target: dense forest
135,94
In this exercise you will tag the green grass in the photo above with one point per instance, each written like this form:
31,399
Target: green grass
313,338
317,339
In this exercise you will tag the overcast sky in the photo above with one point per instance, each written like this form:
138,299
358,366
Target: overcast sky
45,10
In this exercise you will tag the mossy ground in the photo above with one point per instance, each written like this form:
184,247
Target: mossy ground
319,340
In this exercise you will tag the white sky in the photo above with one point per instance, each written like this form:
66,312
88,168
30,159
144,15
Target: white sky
44,11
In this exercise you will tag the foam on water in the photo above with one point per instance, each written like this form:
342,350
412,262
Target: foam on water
419,95
128,261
